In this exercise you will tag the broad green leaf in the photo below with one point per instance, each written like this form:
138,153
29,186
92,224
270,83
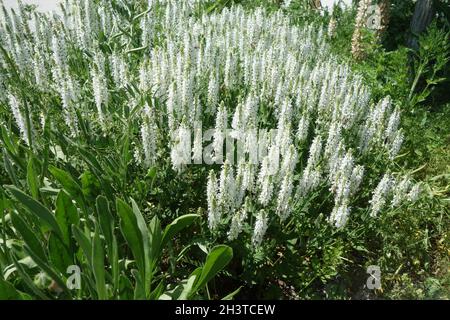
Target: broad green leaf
105,219
83,242
158,291
98,265
10,169
131,232
8,142
66,180
155,239
177,225
32,177
125,288
139,289
37,209
145,245
66,215
58,254
28,236
216,260
187,288
8,292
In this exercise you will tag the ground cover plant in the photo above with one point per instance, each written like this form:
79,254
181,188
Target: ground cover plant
221,149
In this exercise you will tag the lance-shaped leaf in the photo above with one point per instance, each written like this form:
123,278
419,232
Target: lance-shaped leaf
37,209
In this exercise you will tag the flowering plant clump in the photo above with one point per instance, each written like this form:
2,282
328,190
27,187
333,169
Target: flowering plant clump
262,146
249,72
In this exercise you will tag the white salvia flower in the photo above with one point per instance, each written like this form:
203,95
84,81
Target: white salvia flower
241,185
284,137
214,213
315,151
393,123
248,177
20,121
396,145
119,71
400,191
237,222
186,89
414,194
339,215
40,72
310,180
90,21
68,97
170,105
137,155
250,112
59,56
286,4
197,150
274,159
229,70
227,187
149,131
237,123
303,127
213,92
332,27
260,229
265,182
143,77
333,139
356,178
220,133
380,194
284,196
181,147
99,95
289,161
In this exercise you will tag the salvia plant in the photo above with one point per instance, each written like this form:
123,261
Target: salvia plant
276,122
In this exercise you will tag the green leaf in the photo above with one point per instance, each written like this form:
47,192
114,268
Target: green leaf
145,245
177,225
98,265
8,292
139,289
130,230
66,215
32,178
83,242
9,144
28,236
216,260
105,219
155,239
37,209
66,180
232,294
58,254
